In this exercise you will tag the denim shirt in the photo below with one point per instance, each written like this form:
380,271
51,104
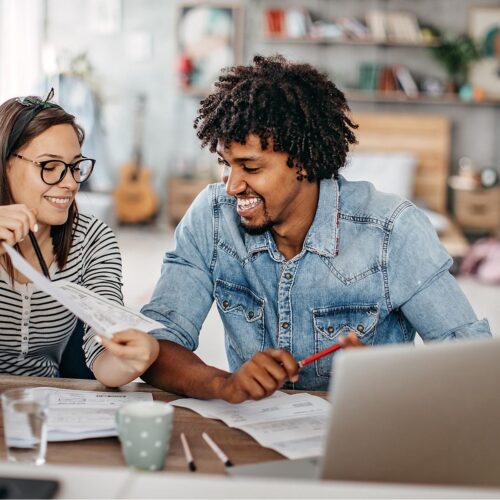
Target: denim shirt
371,262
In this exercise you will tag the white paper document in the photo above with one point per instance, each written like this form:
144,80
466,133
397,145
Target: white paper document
293,425
103,315
74,415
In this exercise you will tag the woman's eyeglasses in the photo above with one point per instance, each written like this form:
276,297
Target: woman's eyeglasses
54,171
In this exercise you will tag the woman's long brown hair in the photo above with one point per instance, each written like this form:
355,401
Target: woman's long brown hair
62,236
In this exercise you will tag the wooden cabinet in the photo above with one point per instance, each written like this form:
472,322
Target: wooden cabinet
181,191
478,209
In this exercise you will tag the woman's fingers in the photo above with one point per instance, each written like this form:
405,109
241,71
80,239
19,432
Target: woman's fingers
18,220
131,345
113,347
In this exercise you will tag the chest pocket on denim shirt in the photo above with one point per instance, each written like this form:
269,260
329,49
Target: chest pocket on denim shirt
332,322
242,313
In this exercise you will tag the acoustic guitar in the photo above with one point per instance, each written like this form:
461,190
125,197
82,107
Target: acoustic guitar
134,198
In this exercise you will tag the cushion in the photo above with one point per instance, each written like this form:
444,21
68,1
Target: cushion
388,172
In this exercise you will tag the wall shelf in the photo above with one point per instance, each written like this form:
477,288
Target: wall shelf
400,97
347,41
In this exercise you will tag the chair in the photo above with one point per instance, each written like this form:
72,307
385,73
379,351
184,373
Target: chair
73,358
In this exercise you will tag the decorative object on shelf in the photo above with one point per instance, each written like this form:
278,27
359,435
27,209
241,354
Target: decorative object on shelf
455,54
468,176
489,177
466,92
432,86
209,37
484,27
185,70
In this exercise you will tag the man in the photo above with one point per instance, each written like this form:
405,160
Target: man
295,256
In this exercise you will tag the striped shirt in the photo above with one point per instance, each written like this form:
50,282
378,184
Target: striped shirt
34,327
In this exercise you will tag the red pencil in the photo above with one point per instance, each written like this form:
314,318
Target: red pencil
319,355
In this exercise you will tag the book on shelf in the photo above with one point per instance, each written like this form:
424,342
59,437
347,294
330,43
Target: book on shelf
369,76
375,20
387,80
291,23
402,27
405,80
297,23
399,27
275,22
325,29
353,28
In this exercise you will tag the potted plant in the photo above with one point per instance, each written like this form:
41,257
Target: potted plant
455,54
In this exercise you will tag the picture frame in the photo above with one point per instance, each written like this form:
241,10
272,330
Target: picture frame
209,38
484,28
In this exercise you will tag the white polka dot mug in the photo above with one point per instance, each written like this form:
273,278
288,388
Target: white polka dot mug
144,430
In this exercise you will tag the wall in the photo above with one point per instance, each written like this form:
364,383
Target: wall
170,144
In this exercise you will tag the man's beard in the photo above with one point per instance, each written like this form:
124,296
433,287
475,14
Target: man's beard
256,230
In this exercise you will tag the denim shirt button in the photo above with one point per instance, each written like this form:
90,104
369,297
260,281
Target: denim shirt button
360,328
330,329
251,314
225,304
288,276
285,325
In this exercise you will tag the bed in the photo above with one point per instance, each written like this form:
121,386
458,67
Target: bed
411,152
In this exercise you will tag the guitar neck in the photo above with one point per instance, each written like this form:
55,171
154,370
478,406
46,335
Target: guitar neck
138,132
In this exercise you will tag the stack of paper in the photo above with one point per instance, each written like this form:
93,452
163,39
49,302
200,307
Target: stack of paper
74,415
293,425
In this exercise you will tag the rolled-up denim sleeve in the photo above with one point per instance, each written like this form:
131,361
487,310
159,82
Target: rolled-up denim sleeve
184,293
421,286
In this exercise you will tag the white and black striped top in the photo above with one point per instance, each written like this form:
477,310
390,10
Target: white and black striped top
34,327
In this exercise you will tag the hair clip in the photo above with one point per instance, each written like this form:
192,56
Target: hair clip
33,101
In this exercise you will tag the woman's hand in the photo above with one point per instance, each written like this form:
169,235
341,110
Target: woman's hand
135,349
15,223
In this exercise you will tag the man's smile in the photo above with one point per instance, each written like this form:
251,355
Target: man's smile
246,206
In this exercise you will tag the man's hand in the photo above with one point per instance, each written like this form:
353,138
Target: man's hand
135,349
350,340
260,376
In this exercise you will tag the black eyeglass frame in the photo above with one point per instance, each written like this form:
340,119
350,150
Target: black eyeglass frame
71,166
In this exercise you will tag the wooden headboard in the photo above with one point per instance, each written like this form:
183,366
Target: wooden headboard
425,136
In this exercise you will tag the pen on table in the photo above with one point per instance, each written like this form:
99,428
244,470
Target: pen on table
39,255
220,454
187,452
319,355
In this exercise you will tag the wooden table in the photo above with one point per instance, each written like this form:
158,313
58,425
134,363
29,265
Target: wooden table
108,478
237,445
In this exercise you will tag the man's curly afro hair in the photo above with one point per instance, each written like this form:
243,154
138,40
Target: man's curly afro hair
295,105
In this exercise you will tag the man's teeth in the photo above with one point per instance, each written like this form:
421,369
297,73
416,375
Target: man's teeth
248,202
61,201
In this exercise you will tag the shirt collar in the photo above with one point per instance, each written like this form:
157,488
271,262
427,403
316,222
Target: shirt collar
322,237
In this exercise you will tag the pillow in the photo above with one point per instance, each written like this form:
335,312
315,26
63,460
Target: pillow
388,172
439,222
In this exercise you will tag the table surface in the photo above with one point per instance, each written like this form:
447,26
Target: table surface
238,446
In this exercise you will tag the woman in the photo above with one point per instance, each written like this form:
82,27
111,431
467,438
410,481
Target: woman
41,169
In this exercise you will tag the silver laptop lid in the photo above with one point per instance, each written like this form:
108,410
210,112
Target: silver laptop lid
420,415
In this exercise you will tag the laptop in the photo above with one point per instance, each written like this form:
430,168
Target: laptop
405,414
